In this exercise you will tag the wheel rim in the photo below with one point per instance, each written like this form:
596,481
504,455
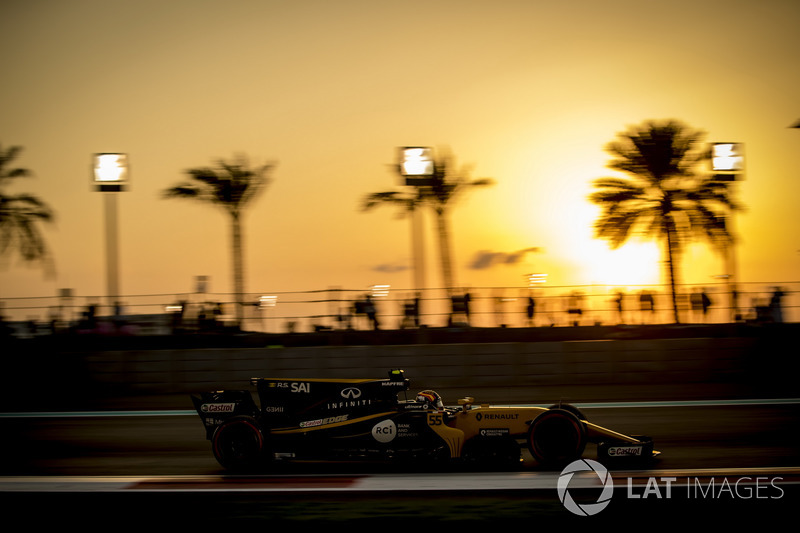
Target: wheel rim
238,444
557,437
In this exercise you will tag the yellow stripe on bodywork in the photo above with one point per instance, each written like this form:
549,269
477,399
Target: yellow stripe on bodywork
284,431
454,438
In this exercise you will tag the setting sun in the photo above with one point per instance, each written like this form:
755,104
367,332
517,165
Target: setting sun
515,94
635,264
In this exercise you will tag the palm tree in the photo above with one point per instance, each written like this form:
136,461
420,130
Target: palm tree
409,203
664,196
445,186
231,186
20,214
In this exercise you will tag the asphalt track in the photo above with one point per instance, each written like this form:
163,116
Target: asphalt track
721,462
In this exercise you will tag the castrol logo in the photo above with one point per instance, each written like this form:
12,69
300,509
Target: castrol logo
218,407
624,451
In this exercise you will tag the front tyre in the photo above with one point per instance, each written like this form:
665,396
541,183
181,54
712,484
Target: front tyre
571,408
556,438
239,444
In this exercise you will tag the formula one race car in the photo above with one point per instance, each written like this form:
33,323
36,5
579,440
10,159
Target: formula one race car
364,419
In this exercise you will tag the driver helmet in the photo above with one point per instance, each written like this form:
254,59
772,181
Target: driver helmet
430,398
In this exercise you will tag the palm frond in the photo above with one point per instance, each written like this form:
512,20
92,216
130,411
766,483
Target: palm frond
230,185
20,214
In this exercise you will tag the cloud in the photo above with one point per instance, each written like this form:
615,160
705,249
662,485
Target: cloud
390,268
486,259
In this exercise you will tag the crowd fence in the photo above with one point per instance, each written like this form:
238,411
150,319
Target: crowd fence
339,308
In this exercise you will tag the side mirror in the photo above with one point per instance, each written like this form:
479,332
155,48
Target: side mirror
465,403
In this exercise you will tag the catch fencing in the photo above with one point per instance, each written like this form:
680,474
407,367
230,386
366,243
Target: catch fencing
339,308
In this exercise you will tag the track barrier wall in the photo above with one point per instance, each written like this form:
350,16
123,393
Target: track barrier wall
558,370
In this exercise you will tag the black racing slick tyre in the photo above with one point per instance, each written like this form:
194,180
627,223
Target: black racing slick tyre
556,438
571,408
239,444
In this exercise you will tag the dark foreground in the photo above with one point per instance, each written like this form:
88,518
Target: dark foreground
475,508
714,453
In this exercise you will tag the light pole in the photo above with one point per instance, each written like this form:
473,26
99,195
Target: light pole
416,167
110,175
727,163
265,303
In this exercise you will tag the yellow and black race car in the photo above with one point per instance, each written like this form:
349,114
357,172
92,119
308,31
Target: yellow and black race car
330,420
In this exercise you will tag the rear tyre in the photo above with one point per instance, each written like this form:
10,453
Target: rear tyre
556,438
239,444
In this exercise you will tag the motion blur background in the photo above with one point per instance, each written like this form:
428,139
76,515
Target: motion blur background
526,93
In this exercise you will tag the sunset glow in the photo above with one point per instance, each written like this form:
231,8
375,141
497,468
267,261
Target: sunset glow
633,265
525,93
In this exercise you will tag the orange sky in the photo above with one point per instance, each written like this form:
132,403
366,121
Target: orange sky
527,92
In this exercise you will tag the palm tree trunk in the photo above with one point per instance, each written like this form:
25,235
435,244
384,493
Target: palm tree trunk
238,267
671,270
418,249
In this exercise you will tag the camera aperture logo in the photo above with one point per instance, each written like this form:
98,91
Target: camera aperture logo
579,466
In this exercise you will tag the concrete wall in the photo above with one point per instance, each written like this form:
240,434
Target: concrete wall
498,372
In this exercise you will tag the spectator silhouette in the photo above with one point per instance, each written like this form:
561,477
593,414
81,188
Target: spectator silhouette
776,305
620,301
530,310
646,305
371,312
575,308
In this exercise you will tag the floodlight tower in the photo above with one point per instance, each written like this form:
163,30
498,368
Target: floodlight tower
110,176
417,169
727,163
